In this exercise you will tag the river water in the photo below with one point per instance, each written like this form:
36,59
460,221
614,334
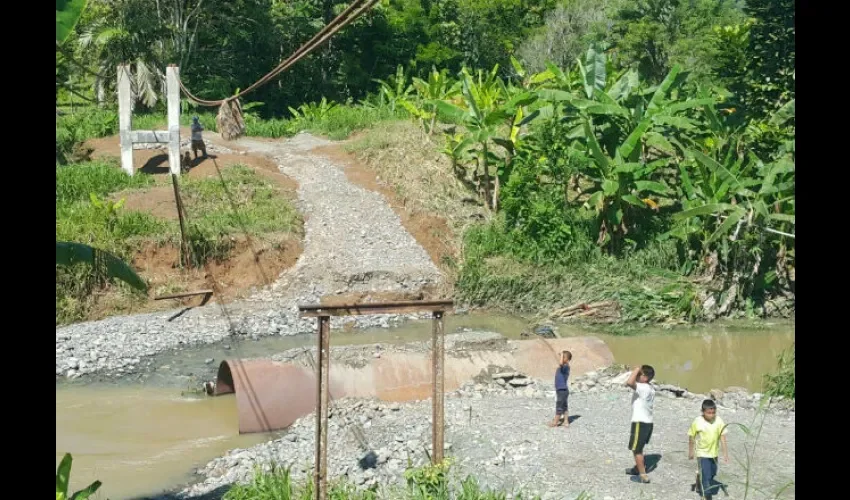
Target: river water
144,438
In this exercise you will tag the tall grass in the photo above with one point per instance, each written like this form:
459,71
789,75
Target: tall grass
92,122
747,461
505,270
335,123
101,224
238,203
74,128
782,383
76,182
430,482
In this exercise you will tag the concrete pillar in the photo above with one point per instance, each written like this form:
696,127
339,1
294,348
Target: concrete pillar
125,118
172,74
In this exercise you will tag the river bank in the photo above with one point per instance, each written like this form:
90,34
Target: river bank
496,431
165,461
694,356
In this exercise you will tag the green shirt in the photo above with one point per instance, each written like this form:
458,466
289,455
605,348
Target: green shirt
707,436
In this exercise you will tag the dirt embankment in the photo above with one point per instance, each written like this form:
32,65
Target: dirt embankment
250,263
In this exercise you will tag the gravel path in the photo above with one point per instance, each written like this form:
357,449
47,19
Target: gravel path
499,434
354,242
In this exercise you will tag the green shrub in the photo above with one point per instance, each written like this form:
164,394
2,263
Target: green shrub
782,382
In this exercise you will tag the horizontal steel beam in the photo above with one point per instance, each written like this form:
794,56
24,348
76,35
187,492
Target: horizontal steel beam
314,311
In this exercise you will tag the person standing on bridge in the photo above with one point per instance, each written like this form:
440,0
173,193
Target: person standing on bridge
198,138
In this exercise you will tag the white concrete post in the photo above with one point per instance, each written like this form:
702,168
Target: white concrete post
125,118
172,73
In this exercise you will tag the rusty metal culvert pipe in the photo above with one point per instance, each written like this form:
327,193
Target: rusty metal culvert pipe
271,395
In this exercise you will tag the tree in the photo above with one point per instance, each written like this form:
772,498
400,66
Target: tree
656,34
67,254
570,28
772,50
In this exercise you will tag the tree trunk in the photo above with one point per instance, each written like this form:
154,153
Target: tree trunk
496,194
99,92
328,15
486,168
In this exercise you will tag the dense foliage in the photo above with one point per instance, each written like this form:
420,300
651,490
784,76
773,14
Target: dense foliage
650,139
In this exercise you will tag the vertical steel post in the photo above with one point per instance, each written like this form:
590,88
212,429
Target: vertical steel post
438,355
322,402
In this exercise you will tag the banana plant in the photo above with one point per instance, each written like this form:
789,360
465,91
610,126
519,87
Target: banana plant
439,86
69,253
108,209
488,106
732,208
63,477
481,125
395,90
457,147
68,12
620,130
516,117
313,110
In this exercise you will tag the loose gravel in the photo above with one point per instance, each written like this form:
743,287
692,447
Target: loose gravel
354,242
496,430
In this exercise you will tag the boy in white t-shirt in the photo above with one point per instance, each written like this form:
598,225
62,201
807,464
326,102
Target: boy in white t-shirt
643,400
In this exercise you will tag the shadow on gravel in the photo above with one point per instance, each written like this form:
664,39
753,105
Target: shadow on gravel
650,461
573,418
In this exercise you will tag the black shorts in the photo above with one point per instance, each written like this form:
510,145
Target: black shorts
561,405
639,436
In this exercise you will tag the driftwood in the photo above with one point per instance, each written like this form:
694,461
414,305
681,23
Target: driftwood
605,311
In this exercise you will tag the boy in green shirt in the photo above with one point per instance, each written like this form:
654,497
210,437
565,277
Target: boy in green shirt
707,432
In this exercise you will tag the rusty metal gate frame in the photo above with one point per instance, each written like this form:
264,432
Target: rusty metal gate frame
438,355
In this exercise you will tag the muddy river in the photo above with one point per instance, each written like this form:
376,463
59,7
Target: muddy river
146,437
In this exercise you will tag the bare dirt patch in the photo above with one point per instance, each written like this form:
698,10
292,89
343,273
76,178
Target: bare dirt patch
155,161
252,263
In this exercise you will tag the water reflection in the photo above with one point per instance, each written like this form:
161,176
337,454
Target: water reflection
703,362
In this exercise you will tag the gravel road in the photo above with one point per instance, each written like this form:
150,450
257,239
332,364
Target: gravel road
354,242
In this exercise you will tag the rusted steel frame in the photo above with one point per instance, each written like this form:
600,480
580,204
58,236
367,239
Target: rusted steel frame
313,311
437,308
322,401
438,375
184,294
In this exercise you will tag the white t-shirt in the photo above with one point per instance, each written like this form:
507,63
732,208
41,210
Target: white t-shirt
642,400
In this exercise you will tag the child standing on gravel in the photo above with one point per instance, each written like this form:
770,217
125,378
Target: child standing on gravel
562,390
707,432
643,400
